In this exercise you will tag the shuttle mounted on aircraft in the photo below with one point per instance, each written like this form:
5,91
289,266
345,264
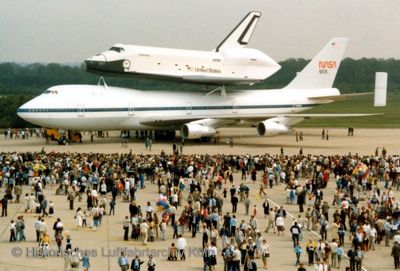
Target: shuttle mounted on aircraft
273,111
229,64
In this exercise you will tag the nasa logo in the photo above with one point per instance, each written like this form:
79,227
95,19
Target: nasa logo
327,64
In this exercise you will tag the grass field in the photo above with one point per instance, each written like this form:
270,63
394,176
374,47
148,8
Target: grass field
363,104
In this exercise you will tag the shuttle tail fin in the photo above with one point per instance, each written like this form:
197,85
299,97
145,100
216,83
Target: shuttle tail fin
241,34
321,71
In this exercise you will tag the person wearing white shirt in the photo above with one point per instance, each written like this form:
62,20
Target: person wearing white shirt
94,195
42,229
372,237
103,188
333,245
396,238
163,229
175,200
37,228
12,229
149,210
318,266
132,181
181,245
127,187
280,225
144,227
236,259
74,184
254,222
212,254
264,253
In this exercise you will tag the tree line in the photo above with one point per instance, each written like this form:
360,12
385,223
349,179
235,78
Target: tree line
20,82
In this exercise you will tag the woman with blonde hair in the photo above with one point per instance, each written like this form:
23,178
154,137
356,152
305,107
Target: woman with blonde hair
264,253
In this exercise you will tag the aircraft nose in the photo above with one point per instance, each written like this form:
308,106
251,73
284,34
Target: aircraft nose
19,112
22,111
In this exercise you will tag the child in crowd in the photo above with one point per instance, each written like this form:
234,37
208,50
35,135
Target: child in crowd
51,208
152,234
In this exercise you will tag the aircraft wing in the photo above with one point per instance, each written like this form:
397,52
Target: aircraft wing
175,122
324,115
340,97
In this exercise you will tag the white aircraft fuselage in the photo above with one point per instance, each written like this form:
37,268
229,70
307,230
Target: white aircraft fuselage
87,107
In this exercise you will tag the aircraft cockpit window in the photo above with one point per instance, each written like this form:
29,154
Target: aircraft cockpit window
49,91
117,49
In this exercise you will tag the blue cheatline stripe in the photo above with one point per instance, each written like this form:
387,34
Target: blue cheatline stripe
163,108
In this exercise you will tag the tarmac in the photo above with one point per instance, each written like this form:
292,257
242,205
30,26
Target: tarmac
245,141
105,244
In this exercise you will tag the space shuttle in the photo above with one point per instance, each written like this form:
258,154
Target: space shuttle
230,63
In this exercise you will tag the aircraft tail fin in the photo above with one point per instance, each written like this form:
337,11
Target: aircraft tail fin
321,71
241,34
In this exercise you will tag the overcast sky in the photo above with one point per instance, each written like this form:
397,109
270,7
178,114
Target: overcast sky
68,31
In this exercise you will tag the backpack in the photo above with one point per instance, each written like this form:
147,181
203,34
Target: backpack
136,264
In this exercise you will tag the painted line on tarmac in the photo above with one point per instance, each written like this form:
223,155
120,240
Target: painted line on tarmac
313,232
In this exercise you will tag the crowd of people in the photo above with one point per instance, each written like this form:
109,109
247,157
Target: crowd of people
197,189
23,133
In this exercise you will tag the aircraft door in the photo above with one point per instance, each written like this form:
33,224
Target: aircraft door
131,110
81,110
235,107
188,108
296,105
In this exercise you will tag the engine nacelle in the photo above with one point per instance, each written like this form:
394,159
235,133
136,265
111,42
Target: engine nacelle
271,128
195,131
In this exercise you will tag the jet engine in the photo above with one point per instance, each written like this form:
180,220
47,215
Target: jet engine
195,131
271,127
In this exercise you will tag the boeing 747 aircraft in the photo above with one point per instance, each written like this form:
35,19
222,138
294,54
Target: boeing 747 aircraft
273,111
229,64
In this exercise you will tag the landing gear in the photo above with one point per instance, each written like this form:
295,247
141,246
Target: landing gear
205,139
156,135
221,89
102,81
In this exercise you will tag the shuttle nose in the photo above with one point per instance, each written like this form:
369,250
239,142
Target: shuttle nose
98,58
93,63
100,65
84,66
